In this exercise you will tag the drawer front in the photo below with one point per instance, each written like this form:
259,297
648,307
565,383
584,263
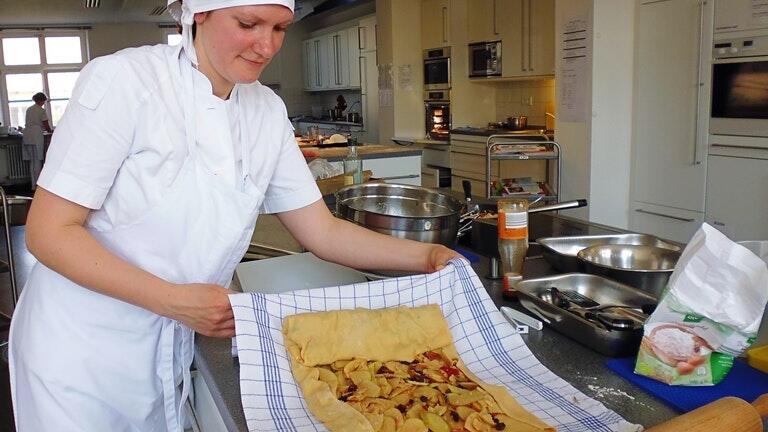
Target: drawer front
468,147
665,222
436,157
478,186
471,163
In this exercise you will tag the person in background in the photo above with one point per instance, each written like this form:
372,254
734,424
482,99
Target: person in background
147,201
35,123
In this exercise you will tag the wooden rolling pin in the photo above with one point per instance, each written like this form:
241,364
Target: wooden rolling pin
726,414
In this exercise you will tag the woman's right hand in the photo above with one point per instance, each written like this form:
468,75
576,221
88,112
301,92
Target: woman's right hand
204,308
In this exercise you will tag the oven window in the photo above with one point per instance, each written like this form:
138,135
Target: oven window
436,71
740,90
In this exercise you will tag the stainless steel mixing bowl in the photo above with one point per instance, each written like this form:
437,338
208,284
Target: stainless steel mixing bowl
403,211
644,267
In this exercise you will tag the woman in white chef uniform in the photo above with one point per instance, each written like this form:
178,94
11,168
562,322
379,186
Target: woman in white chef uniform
35,123
153,182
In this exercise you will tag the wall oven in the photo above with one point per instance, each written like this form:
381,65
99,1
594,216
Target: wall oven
437,69
740,87
485,59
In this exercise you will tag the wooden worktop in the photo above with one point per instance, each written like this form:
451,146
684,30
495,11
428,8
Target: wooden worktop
366,151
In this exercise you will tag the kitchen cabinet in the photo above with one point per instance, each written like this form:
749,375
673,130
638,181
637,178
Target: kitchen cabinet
369,80
366,29
671,117
330,61
435,24
737,181
526,29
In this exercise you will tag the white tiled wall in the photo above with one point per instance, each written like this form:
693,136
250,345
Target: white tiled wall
514,98
297,101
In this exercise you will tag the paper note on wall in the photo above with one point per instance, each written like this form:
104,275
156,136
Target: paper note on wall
575,57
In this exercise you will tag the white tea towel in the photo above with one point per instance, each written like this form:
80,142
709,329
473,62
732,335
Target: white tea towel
486,342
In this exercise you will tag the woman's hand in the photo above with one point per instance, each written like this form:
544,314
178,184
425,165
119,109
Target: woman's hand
438,256
204,308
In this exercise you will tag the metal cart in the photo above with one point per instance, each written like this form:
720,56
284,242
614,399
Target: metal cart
7,201
516,147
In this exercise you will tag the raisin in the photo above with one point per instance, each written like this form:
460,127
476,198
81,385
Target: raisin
383,370
423,398
343,397
352,388
500,426
455,416
402,408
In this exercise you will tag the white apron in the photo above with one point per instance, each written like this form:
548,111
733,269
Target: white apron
82,361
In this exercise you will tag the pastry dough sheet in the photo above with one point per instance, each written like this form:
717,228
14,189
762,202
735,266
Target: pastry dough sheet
392,334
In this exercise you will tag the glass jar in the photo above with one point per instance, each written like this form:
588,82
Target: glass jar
513,241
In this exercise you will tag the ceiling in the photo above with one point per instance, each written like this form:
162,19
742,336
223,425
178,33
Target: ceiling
70,12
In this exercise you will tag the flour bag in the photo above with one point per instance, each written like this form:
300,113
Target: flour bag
709,314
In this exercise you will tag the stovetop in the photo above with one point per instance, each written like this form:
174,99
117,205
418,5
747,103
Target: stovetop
532,131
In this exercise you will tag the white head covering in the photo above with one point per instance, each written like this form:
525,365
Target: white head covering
184,14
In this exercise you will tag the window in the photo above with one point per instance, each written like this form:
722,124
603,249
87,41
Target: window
46,61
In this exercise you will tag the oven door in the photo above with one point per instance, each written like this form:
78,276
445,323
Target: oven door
740,97
437,74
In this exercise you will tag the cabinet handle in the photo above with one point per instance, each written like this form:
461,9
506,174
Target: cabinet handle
318,79
522,38
665,215
495,32
409,176
361,42
361,63
445,24
699,85
530,37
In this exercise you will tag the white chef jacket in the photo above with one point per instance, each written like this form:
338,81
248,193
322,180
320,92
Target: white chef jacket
33,131
121,143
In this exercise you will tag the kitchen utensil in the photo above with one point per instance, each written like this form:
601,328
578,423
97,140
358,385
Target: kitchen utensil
517,123
726,414
535,295
354,117
561,252
402,211
647,268
522,318
610,320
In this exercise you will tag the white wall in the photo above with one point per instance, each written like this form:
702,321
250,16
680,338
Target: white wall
597,151
106,39
612,76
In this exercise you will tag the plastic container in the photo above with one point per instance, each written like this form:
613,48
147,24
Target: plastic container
513,241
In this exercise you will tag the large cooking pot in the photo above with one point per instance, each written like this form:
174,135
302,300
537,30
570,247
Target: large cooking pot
413,212
403,211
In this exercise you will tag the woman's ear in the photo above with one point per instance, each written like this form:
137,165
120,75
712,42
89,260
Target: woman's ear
200,17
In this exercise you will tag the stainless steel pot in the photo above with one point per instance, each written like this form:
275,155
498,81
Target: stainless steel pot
402,211
413,212
354,117
517,123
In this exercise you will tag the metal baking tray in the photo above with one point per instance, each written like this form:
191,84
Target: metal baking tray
561,252
534,296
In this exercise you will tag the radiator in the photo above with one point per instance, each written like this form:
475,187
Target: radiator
18,168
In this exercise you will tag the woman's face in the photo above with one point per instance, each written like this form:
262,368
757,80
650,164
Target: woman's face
239,42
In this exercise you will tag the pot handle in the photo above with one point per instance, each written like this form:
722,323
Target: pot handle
560,206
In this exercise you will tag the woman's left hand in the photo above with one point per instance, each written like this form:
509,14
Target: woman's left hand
438,256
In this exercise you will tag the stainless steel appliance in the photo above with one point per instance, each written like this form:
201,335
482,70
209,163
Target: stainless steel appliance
485,59
740,87
437,114
437,69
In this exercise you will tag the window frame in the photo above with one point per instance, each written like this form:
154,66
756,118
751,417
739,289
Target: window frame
43,68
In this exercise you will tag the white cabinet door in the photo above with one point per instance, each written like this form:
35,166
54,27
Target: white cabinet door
337,66
353,57
315,58
435,21
665,222
367,34
540,37
737,196
670,98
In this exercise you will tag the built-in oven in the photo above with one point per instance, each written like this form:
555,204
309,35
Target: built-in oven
437,69
740,87
485,59
437,114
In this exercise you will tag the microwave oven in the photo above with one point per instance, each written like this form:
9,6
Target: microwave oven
437,69
740,87
485,59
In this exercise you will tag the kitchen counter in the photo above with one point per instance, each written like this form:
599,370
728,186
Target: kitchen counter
580,366
532,132
326,121
366,151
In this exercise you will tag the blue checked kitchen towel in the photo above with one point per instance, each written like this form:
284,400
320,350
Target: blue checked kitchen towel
486,342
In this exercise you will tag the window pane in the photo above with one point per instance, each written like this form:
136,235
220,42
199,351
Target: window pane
60,84
21,51
21,87
57,110
63,49
174,39
18,110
